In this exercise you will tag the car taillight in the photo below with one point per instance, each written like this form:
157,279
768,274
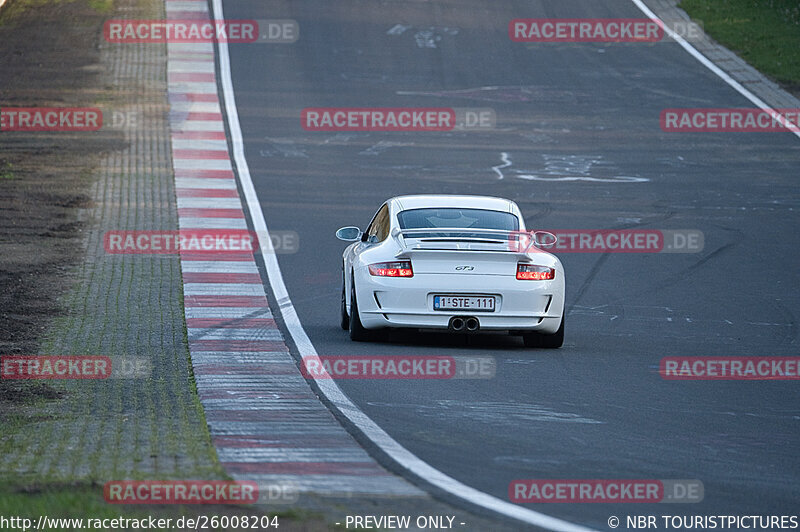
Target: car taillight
532,272
400,268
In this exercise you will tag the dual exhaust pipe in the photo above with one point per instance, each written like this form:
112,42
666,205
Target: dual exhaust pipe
468,324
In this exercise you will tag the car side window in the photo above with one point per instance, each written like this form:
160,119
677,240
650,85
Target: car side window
378,230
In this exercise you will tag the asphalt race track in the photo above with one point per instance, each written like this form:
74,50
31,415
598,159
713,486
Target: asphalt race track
597,408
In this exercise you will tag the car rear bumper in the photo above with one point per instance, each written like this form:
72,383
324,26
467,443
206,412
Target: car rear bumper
519,305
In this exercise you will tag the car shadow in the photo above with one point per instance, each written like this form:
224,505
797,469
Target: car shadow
421,338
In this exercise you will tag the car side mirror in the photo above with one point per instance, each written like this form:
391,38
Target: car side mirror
544,239
349,234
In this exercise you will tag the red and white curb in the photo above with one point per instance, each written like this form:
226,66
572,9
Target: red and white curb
265,421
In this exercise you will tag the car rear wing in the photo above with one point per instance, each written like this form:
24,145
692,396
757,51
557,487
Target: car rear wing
517,243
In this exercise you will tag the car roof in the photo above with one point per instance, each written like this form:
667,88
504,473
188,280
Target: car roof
422,201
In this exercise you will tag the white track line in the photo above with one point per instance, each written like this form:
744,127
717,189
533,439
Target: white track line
328,387
719,72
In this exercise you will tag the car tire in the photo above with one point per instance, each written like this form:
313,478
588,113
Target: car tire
546,341
357,331
345,319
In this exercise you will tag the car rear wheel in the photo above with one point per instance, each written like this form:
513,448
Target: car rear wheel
357,331
547,341
345,319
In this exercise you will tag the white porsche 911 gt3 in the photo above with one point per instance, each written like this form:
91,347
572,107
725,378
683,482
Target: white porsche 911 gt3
457,263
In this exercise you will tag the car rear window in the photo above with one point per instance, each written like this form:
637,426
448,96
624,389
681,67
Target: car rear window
457,218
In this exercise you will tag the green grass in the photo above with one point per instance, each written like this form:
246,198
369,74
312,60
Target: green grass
6,171
12,10
101,6
765,33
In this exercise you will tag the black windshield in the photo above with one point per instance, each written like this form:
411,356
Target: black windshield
457,218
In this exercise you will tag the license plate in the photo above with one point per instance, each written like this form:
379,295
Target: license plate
472,303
